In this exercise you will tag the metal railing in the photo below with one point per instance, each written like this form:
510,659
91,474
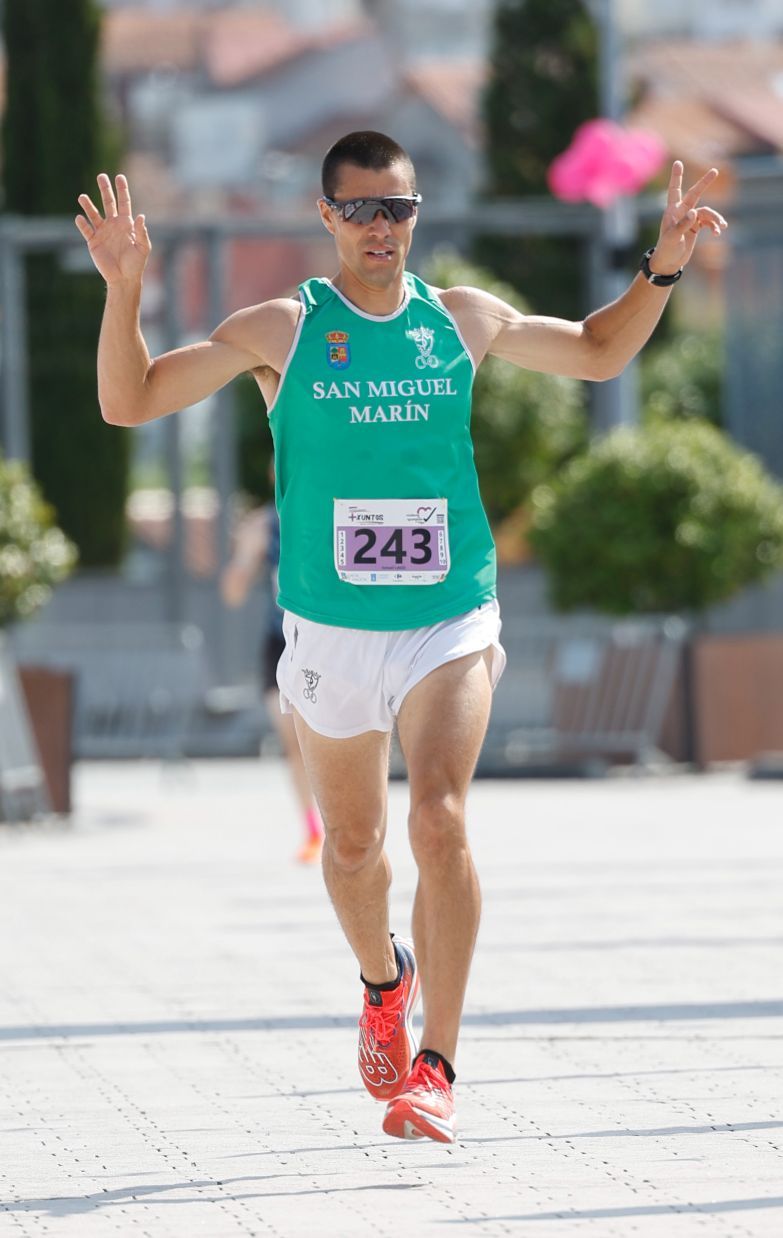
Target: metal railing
138,686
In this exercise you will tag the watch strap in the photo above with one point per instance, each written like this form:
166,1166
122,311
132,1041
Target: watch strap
660,281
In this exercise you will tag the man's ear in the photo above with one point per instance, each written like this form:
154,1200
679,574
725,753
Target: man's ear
326,216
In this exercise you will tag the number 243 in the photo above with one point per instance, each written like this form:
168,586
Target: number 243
393,548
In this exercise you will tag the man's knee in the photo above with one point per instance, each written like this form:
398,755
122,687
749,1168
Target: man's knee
437,827
351,850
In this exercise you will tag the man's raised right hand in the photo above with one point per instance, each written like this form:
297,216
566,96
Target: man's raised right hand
119,245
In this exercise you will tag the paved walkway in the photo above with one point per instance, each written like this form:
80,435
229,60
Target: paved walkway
177,1019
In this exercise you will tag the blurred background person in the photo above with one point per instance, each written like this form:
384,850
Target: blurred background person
257,551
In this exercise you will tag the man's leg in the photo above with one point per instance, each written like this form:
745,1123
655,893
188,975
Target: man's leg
442,723
349,778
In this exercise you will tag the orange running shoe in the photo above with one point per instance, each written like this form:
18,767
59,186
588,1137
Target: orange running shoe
425,1107
310,852
387,1045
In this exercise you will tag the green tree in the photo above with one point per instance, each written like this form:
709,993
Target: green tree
543,85
54,144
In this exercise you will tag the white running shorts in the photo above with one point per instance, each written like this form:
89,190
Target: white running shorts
344,681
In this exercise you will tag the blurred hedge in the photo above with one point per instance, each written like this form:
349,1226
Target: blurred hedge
682,376
672,516
34,553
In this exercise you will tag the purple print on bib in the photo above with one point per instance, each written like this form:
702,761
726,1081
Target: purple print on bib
397,548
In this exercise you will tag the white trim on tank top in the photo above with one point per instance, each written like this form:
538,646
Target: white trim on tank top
458,333
290,355
372,317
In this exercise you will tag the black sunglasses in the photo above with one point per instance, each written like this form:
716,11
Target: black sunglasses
363,210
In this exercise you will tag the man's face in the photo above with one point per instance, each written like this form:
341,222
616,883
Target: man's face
374,253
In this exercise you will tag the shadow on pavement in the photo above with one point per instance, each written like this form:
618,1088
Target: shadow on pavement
495,1018
640,1210
72,1205
657,1132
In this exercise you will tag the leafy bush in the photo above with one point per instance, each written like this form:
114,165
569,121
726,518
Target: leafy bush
672,516
34,553
525,425
683,377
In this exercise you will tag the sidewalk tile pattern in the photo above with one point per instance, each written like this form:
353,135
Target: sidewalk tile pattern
178,1018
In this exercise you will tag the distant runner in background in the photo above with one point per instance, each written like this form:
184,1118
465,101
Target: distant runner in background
257,546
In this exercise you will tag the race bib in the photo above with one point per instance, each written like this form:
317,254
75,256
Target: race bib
391,541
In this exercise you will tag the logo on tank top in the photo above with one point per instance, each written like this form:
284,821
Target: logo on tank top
338,350
424,339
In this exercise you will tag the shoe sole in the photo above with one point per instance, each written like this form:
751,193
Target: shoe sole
404,1121
413,1044
394,1089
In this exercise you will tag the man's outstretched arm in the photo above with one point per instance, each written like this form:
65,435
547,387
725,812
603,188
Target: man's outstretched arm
600,347
133,387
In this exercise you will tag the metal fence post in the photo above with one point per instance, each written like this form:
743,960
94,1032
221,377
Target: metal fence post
615,402
175,583
754,317
15,380
223,452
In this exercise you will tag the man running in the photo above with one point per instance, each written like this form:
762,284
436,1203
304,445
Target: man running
387,566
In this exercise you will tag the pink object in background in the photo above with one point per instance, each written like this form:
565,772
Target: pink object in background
605,161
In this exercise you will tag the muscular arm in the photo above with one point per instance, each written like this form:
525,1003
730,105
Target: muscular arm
597,349
133,387
602,345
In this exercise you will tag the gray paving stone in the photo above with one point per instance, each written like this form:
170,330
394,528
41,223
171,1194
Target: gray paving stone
178,1010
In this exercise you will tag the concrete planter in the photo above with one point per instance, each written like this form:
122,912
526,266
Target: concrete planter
48,694
738,696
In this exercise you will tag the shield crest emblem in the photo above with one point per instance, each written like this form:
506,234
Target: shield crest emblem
338,350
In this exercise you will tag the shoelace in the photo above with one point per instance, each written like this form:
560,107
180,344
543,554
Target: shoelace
423,1076
381,1021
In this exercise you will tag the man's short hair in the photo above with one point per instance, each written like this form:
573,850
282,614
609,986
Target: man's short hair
365,149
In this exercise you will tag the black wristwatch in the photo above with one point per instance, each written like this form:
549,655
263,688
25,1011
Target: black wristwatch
660,281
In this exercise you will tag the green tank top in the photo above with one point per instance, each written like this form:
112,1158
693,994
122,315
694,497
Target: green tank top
381,521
